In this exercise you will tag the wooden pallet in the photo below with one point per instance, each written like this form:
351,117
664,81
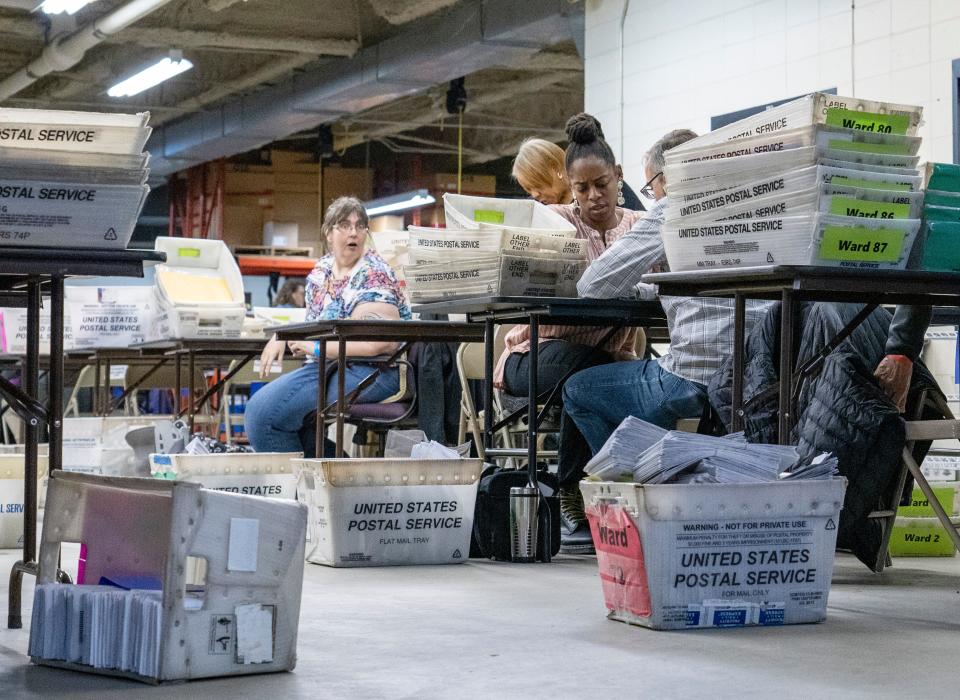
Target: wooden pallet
299,251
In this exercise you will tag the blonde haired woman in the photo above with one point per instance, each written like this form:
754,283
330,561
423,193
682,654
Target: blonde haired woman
540,171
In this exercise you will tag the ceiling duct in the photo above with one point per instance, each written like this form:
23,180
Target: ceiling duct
471,36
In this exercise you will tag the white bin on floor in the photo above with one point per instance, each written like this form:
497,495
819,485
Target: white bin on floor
240,619
268,474
11,497
682,556
383,512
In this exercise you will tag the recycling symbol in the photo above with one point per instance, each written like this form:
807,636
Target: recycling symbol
110,235
831,525
770,257
457,554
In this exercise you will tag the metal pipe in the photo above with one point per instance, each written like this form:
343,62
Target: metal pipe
623,20
66,51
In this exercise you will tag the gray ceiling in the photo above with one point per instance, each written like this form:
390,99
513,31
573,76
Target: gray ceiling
267,69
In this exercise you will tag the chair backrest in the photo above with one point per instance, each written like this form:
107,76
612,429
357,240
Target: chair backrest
470,360
640,343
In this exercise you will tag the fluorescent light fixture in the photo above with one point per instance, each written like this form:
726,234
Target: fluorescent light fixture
399,202
56,7
163,69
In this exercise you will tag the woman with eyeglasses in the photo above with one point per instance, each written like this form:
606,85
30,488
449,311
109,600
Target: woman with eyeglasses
348,282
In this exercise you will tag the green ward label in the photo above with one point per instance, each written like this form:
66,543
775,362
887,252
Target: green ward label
848,206
861,244
868,121
488,216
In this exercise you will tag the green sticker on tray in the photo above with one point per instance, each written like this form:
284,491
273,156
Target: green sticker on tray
488,216
849,206
857,243
868,121
895,149
188,252
869,184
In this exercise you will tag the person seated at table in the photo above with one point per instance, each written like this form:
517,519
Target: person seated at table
292,294
660,391
595,178
538,168
347,282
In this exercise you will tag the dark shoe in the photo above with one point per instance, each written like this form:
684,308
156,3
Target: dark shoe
571,508
579,541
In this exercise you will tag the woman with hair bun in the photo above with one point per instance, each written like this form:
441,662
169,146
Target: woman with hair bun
596,181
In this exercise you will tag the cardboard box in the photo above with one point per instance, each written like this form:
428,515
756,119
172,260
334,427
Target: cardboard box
682,556
267,474
253,552
482,185
182,310
387,512
948,494
921,537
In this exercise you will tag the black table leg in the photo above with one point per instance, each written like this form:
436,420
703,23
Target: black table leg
532,400
321,400
191,373
739,332
55,412
788,320
31,380
178,383
97,389
341,391
489,337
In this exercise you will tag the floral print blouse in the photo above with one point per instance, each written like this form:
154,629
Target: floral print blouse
372,280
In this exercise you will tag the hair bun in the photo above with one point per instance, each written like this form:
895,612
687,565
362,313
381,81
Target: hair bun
583,128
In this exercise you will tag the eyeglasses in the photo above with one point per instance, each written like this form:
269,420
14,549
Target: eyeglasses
347,227
647,190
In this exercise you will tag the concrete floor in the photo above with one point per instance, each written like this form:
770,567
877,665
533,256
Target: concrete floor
485,629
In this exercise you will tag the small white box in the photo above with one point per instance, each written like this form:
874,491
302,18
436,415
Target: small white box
466,212
281,235
199,290
682,556
116,317
386,512
158,530
268,474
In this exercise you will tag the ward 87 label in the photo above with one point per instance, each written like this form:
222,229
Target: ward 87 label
861,244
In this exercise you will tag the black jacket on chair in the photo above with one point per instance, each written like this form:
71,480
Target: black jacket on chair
842,409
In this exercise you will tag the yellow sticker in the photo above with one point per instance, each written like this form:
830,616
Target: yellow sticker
861,244
849,206
188,252
868,121
488,216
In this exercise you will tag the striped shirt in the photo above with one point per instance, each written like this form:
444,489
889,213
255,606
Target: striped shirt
701,329
621,344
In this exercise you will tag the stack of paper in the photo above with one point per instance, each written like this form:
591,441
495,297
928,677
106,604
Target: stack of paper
98,626
71,179
646,454
822,180
618,456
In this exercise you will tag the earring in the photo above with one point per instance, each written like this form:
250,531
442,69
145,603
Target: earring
620,200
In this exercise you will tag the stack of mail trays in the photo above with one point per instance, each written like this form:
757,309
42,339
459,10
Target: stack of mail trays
822,180
501,247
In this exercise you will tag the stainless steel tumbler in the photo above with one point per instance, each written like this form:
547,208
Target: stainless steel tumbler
524,501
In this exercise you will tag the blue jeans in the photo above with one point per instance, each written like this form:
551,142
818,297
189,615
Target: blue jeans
274,416
599,398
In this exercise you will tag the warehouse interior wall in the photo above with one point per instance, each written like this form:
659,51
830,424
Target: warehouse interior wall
685,61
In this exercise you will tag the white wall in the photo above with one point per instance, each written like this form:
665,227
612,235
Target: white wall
687,60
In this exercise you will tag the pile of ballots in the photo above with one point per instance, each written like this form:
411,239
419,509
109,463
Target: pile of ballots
71,179
98,626
821,180
643,453
940,235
